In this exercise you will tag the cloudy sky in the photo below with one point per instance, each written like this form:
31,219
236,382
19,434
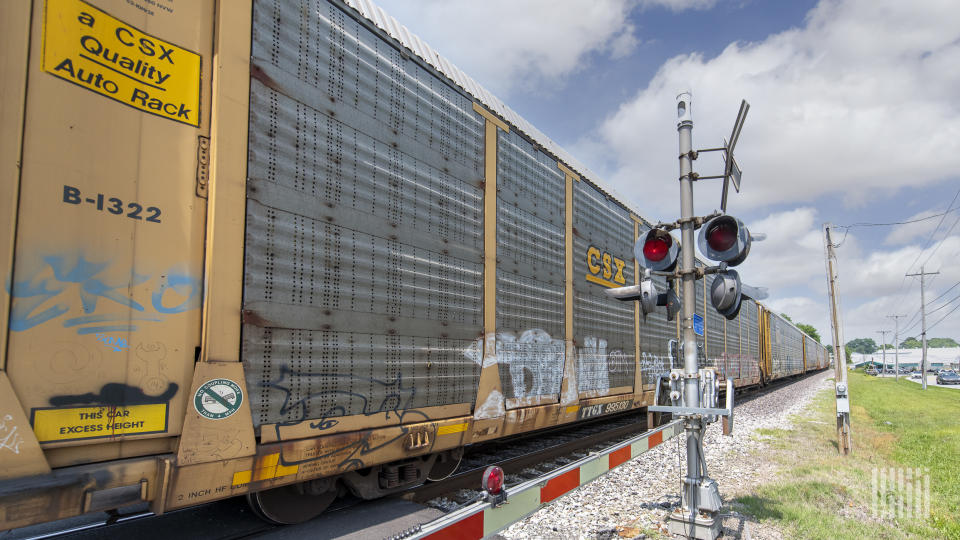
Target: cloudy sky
855,118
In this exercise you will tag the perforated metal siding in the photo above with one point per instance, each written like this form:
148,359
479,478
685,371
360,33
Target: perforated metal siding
786,347
530,268
810,353
734,358
363,269
750,338
714,323
602,326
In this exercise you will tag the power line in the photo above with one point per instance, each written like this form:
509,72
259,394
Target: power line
945,292
944,317
927,243
942,240
945,304
934,232
890,224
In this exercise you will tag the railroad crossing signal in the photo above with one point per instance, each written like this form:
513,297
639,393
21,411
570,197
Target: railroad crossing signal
725,238
657,250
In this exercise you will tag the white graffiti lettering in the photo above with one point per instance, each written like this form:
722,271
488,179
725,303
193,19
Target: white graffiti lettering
653,365
9,438
535,362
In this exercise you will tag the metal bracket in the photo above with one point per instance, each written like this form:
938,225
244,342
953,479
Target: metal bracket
710,396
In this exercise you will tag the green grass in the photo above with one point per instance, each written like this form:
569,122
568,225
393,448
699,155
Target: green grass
820,494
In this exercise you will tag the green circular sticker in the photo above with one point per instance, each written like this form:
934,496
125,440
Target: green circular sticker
218,398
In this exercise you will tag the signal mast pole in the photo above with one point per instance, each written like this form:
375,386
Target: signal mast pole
694,425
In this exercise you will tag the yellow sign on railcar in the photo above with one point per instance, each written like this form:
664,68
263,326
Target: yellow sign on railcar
88,47
73,423
605,269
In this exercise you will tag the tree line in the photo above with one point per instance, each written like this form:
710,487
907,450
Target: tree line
869,346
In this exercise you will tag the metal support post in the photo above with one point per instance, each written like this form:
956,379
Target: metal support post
896,343
923,324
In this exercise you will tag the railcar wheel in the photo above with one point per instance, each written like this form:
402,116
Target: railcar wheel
289,505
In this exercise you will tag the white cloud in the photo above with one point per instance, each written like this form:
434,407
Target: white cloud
802,309
871,279
859,102
791,256
902,234
679,5
506,45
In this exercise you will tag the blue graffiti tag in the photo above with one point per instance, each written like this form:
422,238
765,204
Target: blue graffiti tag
37,300
115,343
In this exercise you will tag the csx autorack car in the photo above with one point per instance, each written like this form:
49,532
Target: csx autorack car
280,248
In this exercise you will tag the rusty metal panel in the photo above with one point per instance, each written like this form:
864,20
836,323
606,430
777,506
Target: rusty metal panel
364,224
530,269
603,258
106,289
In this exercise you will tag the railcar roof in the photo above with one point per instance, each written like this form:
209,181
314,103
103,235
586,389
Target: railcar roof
382,20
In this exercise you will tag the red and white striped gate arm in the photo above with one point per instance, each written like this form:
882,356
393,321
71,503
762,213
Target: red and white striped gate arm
481,519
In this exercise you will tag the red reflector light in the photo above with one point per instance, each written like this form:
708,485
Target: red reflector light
493,480
655,249
722,236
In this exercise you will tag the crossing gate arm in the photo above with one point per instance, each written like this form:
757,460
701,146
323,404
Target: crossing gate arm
482,519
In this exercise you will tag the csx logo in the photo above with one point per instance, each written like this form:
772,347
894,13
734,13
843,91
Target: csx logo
605,269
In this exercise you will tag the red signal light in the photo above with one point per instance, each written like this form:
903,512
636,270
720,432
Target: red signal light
722,236
656,248
493,480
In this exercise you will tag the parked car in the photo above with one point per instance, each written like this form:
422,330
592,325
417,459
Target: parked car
872,371
916,375
948,377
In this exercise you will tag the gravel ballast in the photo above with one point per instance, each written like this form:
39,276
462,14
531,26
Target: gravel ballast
633,500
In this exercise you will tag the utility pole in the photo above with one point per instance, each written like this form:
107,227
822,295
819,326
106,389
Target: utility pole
844,440
923,324
883,347
896,344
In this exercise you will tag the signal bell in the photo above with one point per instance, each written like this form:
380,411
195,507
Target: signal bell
725,238
657,250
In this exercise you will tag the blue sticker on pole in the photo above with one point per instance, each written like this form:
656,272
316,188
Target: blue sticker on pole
697,324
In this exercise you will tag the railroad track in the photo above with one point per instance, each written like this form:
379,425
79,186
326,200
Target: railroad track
522,458
539,455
